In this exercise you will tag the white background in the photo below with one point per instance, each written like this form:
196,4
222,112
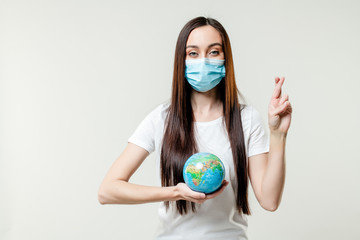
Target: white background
77,77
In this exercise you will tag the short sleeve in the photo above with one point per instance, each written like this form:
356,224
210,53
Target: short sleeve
258,138
144,135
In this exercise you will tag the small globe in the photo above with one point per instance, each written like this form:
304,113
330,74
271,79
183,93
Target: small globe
204,172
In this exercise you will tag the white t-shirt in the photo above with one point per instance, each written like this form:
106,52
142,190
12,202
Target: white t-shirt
216,218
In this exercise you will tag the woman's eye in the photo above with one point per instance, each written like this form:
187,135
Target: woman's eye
214,52
193,54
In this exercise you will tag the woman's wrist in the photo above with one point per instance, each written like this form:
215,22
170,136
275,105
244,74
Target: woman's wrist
175,194
278,134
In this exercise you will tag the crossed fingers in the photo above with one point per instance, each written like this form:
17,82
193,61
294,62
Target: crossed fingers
280,102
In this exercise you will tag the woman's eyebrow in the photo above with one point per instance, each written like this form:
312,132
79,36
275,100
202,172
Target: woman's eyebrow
192,46
215,44
211,45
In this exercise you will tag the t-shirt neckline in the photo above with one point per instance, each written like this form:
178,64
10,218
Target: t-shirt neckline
215,121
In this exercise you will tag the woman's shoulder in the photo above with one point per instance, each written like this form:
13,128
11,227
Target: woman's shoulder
160,111
249,113
246,110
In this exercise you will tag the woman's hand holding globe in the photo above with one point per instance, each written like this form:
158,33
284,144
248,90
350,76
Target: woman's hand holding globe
185,193
204,175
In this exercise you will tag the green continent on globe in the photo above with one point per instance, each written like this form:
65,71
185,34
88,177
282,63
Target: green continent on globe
197,173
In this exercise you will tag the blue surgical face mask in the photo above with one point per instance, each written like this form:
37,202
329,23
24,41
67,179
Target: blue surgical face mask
204,74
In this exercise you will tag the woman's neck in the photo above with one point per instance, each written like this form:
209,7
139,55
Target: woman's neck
206,106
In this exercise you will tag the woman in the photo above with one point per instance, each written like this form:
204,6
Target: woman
204,115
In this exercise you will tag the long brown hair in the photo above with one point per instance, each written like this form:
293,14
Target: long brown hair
179,141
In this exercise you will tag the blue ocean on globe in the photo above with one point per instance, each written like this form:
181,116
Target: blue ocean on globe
204,172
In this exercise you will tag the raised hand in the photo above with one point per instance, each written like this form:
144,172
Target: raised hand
280,109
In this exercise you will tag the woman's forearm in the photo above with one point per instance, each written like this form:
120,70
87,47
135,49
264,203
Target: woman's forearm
122,192
274,177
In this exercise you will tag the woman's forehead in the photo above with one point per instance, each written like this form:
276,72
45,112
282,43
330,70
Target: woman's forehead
204,36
